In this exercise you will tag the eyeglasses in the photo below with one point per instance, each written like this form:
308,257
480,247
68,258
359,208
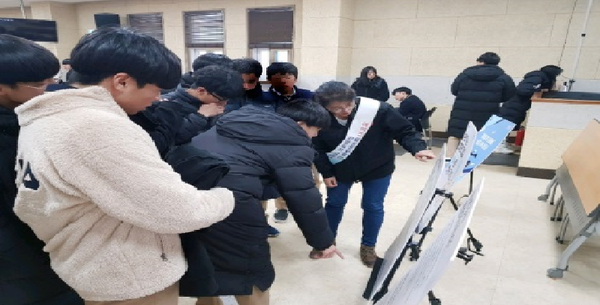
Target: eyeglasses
342,109
220,99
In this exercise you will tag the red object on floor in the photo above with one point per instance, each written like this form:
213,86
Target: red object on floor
520,136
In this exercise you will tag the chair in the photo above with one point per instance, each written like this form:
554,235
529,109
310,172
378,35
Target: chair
427,126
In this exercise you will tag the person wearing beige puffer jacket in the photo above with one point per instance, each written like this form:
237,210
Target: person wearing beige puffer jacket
92,186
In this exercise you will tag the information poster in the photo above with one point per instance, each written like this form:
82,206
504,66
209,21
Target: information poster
395,250
435,260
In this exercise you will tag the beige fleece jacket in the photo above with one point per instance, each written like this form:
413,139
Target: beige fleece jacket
93,187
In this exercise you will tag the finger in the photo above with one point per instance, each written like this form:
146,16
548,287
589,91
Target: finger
339,254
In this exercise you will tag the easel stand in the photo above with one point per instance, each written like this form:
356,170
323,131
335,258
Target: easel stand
473,245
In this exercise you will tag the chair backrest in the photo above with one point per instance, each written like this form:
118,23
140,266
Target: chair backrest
425,119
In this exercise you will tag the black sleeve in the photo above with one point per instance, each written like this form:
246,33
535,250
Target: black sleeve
354,85
529,85
509,88
296,185
197,167
192,125
384,91
406,109
456,84
324,167
402,130
162,121
515,109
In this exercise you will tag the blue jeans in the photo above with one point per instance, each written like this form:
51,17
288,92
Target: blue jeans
374,192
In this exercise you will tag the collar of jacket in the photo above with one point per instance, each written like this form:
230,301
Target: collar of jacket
181,94
286,97
254,93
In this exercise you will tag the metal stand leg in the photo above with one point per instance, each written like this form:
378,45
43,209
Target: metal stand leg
583,235
433,300
558,209
551,186
560,238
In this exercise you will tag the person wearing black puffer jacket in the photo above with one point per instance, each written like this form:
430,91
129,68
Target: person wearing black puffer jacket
515,109
479,91
369,84
263,148
207,97
25,273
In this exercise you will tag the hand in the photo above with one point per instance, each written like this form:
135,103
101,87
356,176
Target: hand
211,110
425,155
330,182
330,252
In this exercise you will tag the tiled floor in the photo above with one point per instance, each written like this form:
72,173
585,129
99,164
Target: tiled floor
512,224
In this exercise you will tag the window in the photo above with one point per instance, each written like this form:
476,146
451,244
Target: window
270,35
204,33
149,24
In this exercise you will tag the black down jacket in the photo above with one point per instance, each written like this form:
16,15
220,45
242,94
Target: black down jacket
262,148
374,156
376,88
479,91
193,122
515,109
25,273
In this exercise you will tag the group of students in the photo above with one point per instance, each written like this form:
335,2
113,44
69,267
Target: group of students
114,195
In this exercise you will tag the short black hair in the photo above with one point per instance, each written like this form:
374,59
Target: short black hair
333,91
307,111
248,66
24,61
111,50
281,68
402,89
210,59
66,61
219,80
489,58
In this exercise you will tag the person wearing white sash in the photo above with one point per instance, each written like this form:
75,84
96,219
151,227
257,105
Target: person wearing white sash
358,146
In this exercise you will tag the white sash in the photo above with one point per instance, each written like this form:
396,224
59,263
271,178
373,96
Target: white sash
363,119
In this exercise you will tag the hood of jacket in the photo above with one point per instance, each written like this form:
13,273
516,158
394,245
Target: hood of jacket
249,124
484,73
67,100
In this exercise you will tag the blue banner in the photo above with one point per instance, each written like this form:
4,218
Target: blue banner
487,140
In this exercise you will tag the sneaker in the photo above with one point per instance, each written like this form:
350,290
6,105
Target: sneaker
273,232
281,215
368,256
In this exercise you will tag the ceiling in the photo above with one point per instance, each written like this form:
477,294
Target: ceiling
17,3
